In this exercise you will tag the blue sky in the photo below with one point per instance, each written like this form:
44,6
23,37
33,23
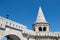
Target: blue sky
25,11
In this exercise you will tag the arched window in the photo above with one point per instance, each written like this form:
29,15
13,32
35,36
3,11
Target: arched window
44,28
40,28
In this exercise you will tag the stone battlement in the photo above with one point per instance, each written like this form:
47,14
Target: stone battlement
51,34
4,22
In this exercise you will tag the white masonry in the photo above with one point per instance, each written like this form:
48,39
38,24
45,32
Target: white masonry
17,31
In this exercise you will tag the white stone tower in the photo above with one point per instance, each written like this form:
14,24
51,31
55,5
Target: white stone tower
41,24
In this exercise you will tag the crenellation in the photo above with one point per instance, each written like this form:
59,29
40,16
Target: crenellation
11,23
29,32
54,34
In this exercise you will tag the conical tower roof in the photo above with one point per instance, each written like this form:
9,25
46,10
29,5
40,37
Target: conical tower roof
40,17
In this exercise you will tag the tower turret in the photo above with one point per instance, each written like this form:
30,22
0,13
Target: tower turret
41,23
